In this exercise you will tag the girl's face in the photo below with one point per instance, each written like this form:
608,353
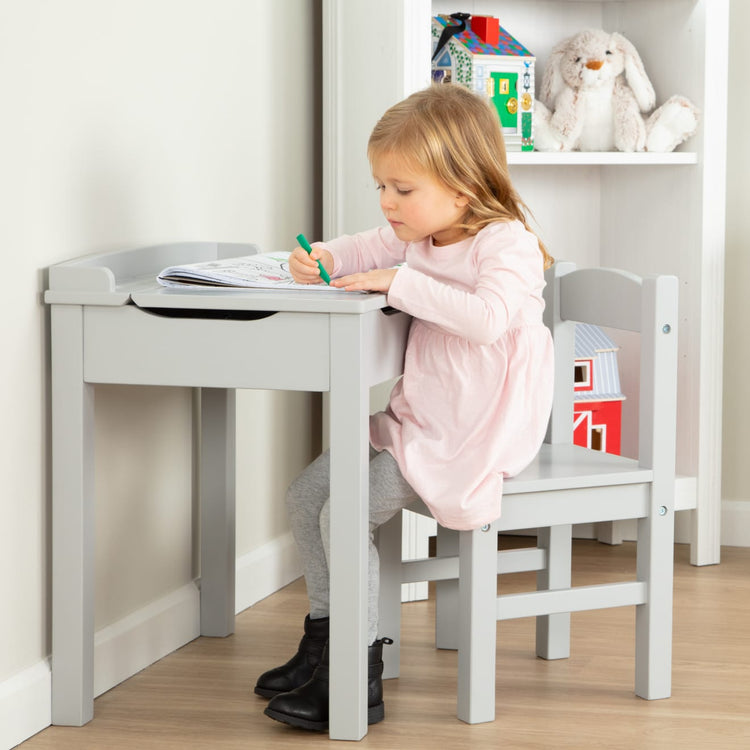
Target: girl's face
416,205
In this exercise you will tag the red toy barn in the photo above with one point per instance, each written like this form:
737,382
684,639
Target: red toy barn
597,409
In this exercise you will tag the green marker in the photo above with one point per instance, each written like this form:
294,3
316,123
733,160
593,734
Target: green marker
305,245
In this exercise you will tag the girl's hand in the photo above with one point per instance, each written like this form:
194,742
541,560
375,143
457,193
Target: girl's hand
378,280
304,267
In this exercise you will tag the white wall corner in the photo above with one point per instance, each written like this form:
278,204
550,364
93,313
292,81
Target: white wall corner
25,704
735,523
265,570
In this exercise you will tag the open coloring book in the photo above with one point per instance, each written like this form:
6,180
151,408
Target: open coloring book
262,271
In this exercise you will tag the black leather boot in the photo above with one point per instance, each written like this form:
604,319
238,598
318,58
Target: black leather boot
299,669
307,706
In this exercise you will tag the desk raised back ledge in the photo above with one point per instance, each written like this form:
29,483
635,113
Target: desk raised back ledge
111,322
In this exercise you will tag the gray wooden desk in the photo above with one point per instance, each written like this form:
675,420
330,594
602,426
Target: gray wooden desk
112,323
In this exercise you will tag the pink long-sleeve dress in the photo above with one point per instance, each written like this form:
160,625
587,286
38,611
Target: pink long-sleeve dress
473,403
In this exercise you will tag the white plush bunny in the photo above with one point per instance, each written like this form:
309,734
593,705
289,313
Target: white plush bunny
594,97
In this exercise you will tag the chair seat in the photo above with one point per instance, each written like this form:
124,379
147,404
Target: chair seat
565,469
562,466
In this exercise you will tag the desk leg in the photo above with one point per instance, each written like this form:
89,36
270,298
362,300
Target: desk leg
72,523
217,503
349,412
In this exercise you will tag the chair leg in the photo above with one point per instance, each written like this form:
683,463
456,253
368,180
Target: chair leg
388,541
446,594
653,620
478,624
553,631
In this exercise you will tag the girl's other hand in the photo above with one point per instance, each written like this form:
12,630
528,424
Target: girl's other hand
378,280
304,267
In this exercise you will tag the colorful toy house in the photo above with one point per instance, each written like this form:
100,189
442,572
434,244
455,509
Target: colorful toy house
597,407
477,52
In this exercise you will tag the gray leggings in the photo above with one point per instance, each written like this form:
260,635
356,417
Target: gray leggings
308,506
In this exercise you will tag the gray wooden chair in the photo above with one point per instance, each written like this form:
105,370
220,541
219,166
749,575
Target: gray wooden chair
564,485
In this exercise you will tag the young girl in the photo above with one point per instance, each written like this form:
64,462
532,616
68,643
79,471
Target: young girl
473,402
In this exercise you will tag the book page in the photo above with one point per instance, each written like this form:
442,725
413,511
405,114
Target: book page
261,271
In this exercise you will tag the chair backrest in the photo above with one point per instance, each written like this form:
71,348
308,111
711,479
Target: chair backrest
620,300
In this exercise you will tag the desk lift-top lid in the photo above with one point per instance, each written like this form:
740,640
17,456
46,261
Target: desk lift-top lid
129,277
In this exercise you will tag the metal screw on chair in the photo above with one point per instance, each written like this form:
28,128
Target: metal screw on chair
662,510
486,527
666,328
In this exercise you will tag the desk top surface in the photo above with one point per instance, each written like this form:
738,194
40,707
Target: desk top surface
129,277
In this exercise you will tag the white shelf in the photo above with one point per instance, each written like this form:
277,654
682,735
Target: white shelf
639,213
572,158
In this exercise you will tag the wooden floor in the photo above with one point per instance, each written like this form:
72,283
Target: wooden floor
200,697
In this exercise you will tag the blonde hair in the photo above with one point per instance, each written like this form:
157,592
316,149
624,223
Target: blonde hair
455,136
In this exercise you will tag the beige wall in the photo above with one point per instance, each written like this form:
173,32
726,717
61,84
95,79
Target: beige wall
127,123
736,437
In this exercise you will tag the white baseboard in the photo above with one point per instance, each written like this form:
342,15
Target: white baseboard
25,705
265,570
142,638
120,651
131,644
145,636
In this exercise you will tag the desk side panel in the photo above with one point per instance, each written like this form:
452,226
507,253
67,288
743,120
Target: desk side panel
386,337
285,351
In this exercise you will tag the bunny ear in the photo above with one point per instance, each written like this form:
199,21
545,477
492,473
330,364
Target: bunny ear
552,80
635,74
